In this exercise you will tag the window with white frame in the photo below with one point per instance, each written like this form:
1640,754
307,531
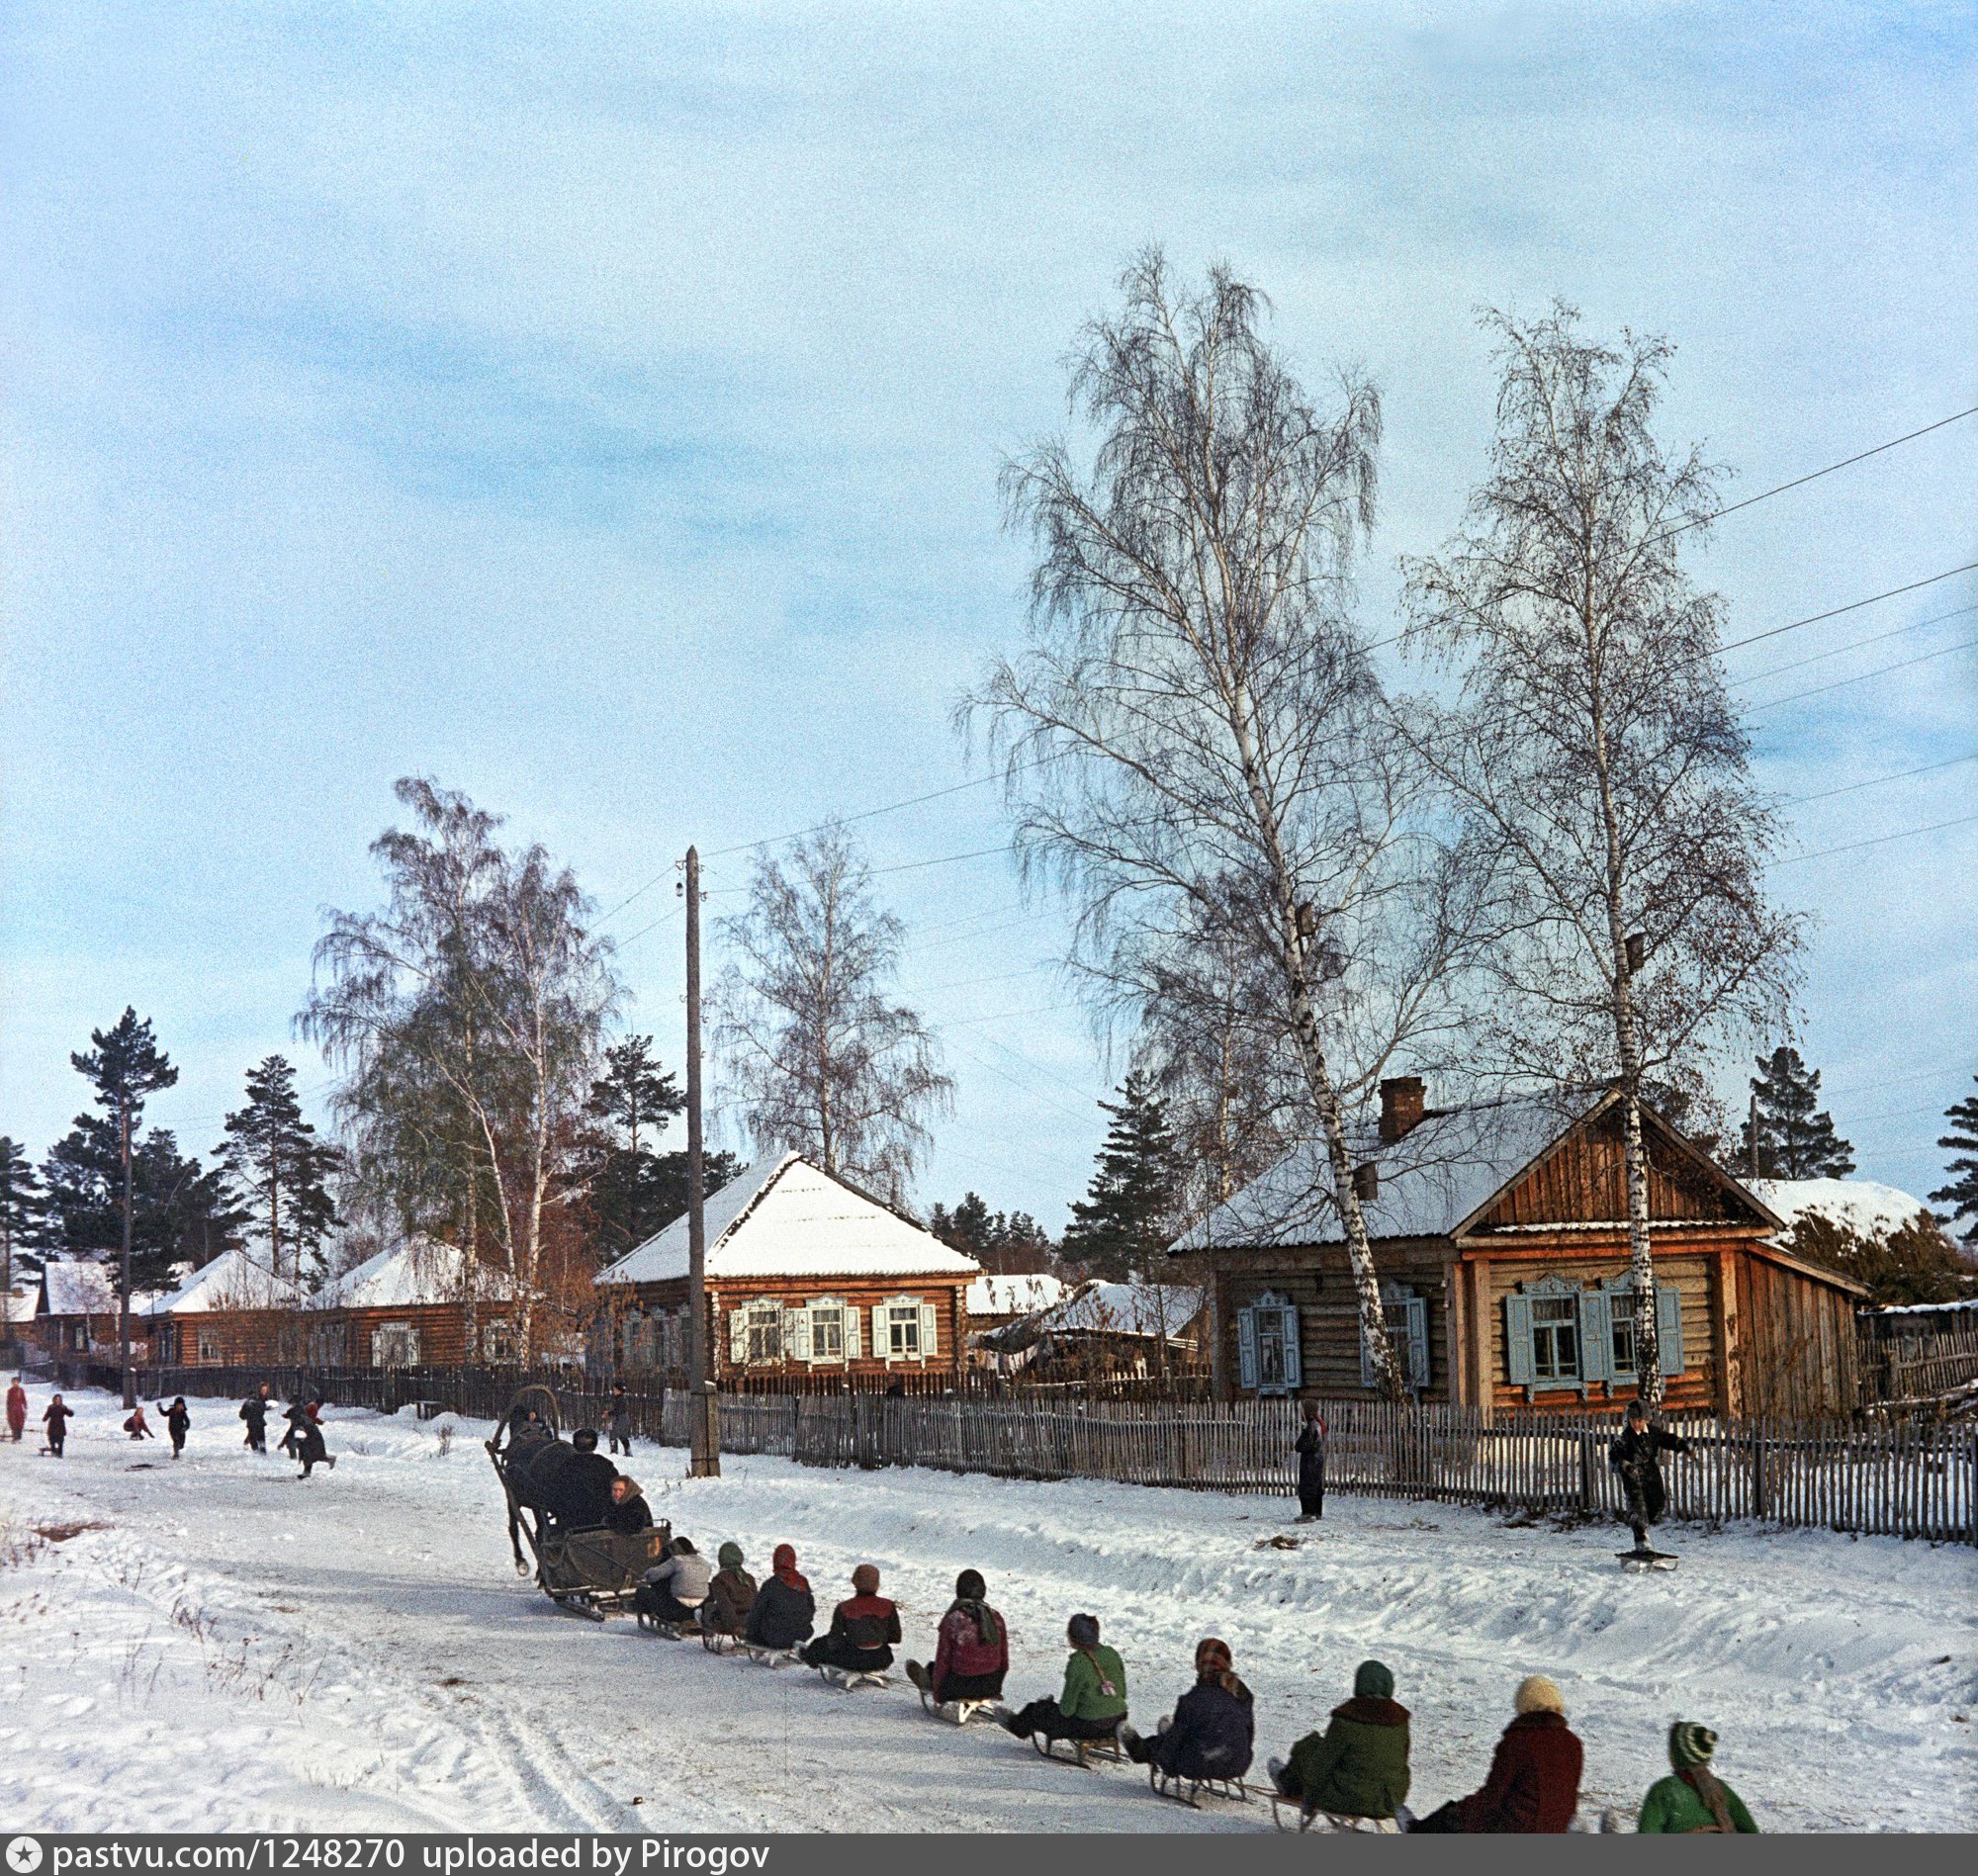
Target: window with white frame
210,1349
827,1330
903,1331
498,1342
1406,1314
395,1345
764,1333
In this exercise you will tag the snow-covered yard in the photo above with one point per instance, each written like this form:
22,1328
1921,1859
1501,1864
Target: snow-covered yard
213,1644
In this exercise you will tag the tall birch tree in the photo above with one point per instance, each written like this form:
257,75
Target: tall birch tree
1595,747
1193,738
468,1019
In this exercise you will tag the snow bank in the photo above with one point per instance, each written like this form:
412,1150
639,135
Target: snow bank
236,1648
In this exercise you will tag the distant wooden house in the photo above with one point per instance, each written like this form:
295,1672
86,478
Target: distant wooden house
1499,1236
808,1278
230,1312
423,1304
77,1310
1101,1331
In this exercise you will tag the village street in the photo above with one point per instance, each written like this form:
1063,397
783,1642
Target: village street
220,1645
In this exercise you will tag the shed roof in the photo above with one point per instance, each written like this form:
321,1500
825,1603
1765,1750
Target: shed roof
993,1295
792,1218
1865,1207
1148,1310
421,1271
78,1286
233,1281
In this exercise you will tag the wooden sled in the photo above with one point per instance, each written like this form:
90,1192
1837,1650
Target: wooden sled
846,1680
1647,1560
1189,1791
1086,1754
771,1657
1326,1820
716,1642
956,1712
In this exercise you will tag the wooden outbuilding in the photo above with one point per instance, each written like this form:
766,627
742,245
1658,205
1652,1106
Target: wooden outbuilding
424,1304
76,1308
1101,1331
1500,1238
230,1312
809,1279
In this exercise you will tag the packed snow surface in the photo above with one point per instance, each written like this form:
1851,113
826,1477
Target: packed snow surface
215,1645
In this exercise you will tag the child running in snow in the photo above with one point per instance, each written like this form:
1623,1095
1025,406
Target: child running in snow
178,1423
138,1426
56,1417
1093,1705
1693,1798
971,1650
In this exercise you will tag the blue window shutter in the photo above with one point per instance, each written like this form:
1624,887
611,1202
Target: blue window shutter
1417,1322
1519,1341
1246,1347
1294,1361
1668,1328
1596,1337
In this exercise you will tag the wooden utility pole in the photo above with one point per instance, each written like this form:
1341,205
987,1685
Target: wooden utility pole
703,1415
123,1302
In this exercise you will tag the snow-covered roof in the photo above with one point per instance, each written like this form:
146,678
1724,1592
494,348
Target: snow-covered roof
233,1281
992,1295
423,1271
1152,1310
1924,1309
80,1287
1433,1178
22,1305
1862,1205
792,1218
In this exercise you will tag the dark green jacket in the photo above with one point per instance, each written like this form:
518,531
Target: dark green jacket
1672,1805
1087,1675
1358,1766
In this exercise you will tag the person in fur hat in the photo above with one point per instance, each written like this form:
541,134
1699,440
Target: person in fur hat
1213,1728
1693,1798
1358,1767
1534,1781
1635,1455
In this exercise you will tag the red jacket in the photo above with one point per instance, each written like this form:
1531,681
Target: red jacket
865,1624
17,1406
960,1650
1534,1782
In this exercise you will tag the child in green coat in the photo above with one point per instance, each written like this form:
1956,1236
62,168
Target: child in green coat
1693,1798
1093,1700
1358,1767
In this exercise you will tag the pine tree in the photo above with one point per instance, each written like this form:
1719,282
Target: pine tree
1794,1140
634,1190
278,1173
1961,1193
23,1206
1124,1222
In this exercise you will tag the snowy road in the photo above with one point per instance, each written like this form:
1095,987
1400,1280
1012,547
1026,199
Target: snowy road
233,1649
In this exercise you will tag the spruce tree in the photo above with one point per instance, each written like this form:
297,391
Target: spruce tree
23,1206
278,1172
1961,1192
1124,1222
1795,1140
634,1189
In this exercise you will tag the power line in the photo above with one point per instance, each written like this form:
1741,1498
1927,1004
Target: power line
1873,600
1863,676
1880,839
1800,482
1875,781
1854,645
945,860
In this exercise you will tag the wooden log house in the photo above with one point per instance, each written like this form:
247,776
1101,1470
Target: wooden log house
1499,1236
423,1304
809,1279
230,1312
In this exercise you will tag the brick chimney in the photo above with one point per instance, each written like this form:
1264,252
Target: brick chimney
1400,1105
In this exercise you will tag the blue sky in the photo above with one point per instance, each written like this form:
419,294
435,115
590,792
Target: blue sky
600,409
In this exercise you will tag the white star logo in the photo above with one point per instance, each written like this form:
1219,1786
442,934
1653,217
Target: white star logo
24,1855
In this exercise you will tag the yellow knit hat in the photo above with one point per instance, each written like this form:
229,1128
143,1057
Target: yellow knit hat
1536,1694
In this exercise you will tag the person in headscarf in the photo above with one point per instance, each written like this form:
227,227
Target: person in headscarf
971,1652
630,1513
1693,1798
784,1611
731,1594
1534,1781
1311,1451
1093,1705
1213,1728
864,1628
1358,1767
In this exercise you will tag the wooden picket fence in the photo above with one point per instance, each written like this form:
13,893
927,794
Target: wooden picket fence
1902,1479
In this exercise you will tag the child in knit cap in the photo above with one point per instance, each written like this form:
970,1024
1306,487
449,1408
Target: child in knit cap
1693,1798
